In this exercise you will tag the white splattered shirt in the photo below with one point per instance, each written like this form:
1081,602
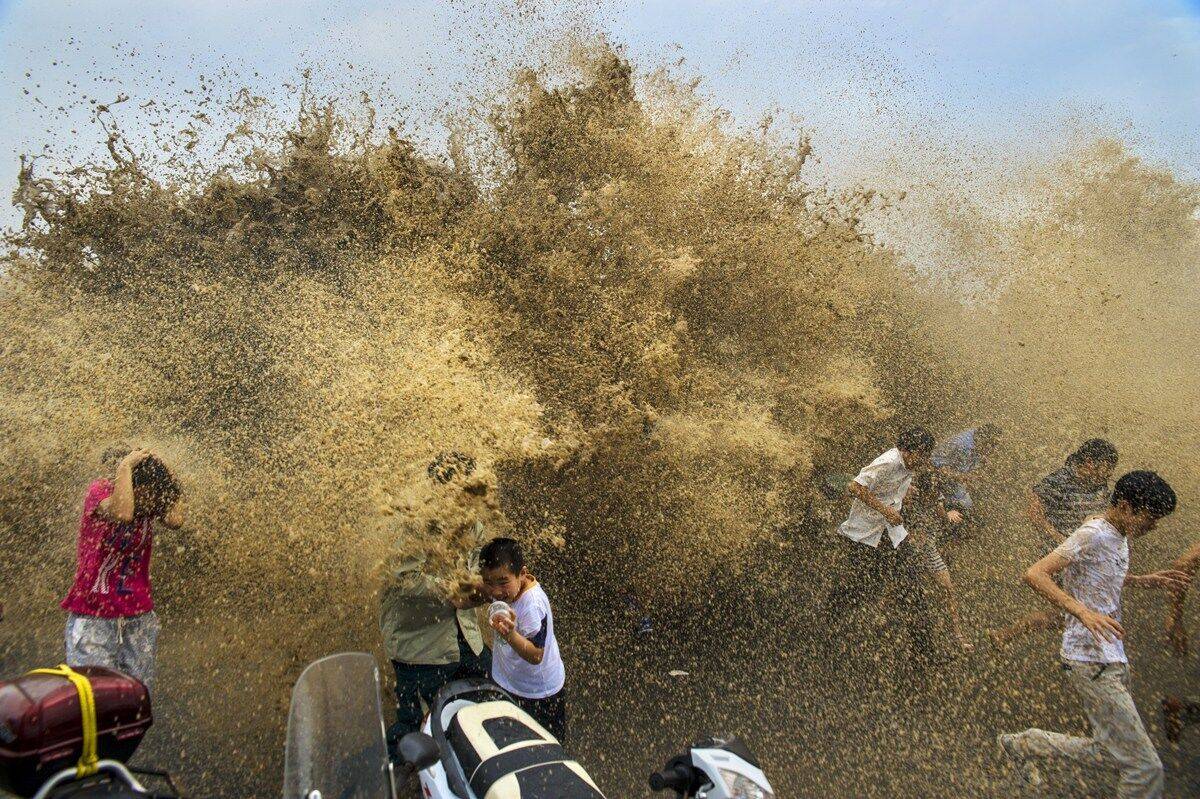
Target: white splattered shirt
888,479
1098,560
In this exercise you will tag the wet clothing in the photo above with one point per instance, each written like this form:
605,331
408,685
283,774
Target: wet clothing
550,712
418,683
1067,499
888,479
419,624
1098,560
535,621
923,514
112,573
960,454
127,644
929,557
1119,738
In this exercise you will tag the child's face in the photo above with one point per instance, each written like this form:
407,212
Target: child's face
502,583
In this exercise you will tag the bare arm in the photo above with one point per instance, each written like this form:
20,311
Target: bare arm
468,594
118,506
1187,563
529,652
864,495
1169,579
1036,512
1040,577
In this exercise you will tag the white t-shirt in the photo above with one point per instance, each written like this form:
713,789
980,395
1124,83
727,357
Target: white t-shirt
888,479
1098,558
513,673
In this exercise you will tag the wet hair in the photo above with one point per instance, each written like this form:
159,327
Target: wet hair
502,553
152,476
915,439
1145,490
1096,450
447,465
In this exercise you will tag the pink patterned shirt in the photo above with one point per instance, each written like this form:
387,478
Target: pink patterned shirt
112,578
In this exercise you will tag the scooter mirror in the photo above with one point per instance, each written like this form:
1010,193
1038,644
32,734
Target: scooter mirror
419,750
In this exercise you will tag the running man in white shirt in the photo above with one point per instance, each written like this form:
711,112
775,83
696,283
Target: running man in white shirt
1094,561
525,657
875,565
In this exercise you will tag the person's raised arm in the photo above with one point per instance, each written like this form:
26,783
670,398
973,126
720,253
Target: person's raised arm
864,495
1177,635
118,506
1040,577
1036,512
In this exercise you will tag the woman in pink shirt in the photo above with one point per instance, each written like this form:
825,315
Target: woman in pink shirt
111,619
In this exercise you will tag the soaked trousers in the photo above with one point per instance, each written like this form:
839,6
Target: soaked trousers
1119,739
127,644
417,684
887,575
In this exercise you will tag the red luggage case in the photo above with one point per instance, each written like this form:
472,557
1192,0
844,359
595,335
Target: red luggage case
41,729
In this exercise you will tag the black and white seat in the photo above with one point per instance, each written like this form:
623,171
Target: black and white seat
505,754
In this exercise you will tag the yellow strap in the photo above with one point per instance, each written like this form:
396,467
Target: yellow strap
87,709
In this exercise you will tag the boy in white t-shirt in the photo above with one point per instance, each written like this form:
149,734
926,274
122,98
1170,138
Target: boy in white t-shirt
525,657
1094,562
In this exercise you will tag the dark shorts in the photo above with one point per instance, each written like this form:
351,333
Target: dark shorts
550,712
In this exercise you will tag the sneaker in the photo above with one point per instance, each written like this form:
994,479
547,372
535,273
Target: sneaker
1031,777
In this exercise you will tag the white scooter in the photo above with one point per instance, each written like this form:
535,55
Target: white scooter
475,744
714,769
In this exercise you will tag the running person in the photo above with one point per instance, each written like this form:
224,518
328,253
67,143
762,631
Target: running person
1094,563
924,513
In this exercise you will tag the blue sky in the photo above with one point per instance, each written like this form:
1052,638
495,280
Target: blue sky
869,79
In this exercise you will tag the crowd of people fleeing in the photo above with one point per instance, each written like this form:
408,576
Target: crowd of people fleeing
902,504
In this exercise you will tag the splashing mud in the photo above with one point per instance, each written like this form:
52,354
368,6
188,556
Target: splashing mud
648,327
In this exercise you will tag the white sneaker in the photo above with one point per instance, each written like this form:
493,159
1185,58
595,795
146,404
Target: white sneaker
1031,777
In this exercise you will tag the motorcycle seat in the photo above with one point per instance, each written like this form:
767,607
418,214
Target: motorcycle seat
505,754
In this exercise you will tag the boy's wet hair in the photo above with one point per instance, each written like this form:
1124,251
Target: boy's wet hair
447,465
153,476
502,553
916,439
1145,490
1096,450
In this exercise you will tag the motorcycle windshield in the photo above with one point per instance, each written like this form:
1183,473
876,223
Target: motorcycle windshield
336,747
